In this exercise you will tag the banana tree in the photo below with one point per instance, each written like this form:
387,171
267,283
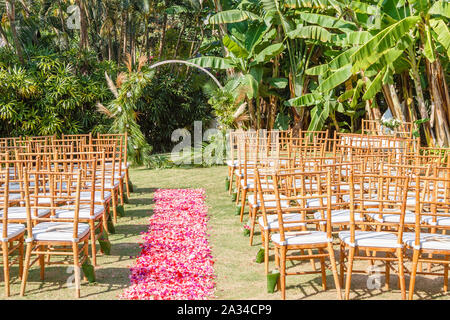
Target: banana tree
251,48
403,25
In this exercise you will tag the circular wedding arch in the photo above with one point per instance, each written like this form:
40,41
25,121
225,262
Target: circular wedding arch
189,64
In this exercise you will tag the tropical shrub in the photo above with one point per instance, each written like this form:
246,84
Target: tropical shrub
52,93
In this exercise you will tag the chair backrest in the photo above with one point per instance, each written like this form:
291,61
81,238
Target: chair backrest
63,187
4,188
305,187
378,194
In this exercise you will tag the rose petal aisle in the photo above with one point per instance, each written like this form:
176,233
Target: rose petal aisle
175,261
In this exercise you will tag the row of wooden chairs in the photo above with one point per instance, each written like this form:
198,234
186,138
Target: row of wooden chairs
368,186
56,198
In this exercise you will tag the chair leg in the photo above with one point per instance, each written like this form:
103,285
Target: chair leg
387,272
114,205
283,272
106,214
42,263
348,282
334,270
446,275
244,194
401,273
341,265
76,265
313,262
323,270
252,212
127,179
21,259
266,250
277,258
238,192
412,280
121,192
5,250
26,266
93,243
230,187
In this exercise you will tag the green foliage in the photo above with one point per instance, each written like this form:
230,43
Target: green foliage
51,94
168,103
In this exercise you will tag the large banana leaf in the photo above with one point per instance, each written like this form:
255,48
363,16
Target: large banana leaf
351,38
213,62
327,21
428,49
269,52
443,34
234,47
361,7
317,70
315,4
383,41
311,32
336,78
375,86
251,85
318,117
342,60
232,16
309,99
269,5
441,8
254,36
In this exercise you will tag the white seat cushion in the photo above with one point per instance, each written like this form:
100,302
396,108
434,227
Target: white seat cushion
232,163
11,196
14,229
301,238
440,221
20,213
338,216
410,217
310,203
86,195
269,201
289,221
251,185
84,213
58,231
371,239
430,241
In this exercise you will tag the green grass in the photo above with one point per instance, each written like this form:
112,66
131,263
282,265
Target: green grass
238,275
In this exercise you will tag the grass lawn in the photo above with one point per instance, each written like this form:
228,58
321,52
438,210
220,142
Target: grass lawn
238,275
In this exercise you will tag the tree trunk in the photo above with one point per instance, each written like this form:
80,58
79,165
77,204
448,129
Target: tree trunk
177,46
11,12
84,37
391,97
122,37
421,101
162,42
4,37
439,99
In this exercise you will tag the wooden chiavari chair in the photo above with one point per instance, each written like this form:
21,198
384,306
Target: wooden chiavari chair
12,239
125,164
432,213
370,238
304,239
55,237
112,177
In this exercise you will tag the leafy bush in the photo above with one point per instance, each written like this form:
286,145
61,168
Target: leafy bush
52,93
168,103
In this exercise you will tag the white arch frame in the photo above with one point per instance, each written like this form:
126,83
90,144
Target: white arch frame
189,64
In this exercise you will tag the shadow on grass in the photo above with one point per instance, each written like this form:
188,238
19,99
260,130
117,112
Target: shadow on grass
127,231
